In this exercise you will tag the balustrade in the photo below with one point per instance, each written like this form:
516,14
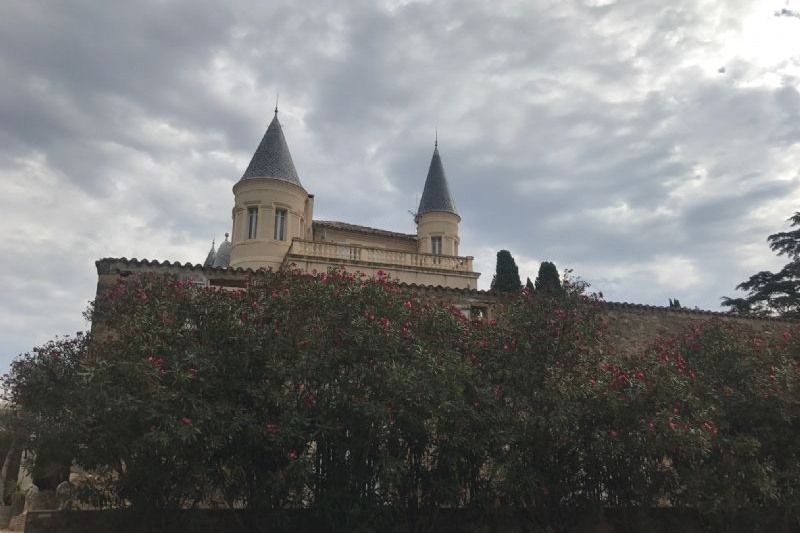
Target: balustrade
356,253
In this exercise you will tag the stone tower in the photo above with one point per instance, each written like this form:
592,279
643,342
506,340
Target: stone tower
437,219
271,207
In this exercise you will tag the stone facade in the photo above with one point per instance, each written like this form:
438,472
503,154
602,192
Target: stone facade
273,226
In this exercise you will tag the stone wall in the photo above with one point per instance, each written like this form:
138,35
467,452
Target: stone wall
650,520
630,325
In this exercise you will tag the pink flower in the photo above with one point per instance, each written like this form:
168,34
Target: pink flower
186,420
292,455
613,434
272,429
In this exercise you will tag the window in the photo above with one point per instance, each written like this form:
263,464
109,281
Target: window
436,245
477,313
252,222
280,224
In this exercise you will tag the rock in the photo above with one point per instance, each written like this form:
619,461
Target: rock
31,494
18,522
36,500
65,494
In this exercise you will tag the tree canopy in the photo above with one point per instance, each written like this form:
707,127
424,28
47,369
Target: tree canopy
774,293
506,277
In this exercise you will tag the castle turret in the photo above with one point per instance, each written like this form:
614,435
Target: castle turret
222,258
437,219
212,253
271,207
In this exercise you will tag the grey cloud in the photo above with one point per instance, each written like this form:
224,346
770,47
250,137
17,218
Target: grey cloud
548,112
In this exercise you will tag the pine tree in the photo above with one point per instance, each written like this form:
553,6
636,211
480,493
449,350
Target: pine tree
547,280
775,293
506,278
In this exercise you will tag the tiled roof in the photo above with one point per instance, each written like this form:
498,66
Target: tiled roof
344,226
436,195
104,264
272,158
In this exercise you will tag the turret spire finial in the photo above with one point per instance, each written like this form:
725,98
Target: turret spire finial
277,95
436,195
436,138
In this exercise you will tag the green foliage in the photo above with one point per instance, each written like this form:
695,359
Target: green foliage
362,402
330,391
506,277
775,293
547,279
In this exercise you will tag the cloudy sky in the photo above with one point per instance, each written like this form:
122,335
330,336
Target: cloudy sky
650,146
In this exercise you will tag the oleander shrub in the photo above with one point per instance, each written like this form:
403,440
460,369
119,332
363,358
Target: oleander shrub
361,402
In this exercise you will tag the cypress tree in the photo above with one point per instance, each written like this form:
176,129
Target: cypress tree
547,280
506,277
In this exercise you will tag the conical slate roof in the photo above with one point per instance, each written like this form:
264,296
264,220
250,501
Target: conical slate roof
222,259
436,195
272,158
210,257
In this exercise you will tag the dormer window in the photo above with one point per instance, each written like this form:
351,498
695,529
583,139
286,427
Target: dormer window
436,245
252,222
280,224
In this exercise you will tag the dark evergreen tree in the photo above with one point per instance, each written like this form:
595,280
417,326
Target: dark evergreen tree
547,280
529,286
776,293
506,277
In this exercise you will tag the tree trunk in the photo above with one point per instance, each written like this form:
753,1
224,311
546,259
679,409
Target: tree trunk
4,471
